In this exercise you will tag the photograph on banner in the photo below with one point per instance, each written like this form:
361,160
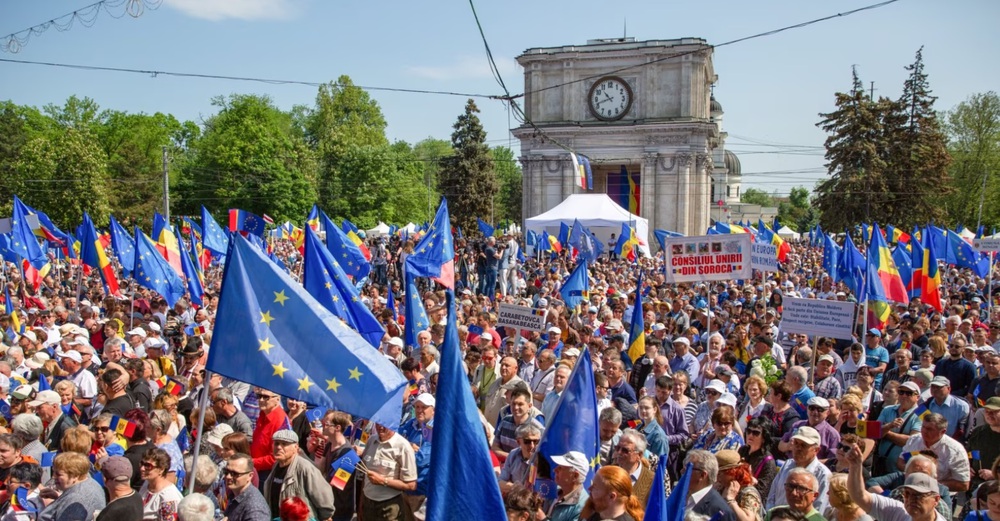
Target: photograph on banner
707,257
521,317
814,317
986,244
764,257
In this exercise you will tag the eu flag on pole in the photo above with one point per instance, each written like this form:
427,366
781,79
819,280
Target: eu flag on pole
573,423
124,245
485,228
416,316
214,238
152,271
93,255
852,266
831,258
461,483
324,279
348,255
963,255
637,331
434,255
663,235
245,222
563,237
6,251
194,284
268,331
903,263
23,241
576,288
583,242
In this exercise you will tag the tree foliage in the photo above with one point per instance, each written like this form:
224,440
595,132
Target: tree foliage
973,131
886,158
756,196
507,201
468,178
796,212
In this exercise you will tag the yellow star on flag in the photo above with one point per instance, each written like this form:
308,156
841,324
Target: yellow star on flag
265,317
304,383
328,285
279,369
280,297
333,385
355,374
265,345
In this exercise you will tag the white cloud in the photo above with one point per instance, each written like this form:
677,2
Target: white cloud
216,10
467,67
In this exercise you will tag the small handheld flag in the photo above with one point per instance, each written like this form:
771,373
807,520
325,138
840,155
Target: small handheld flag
869,429
122,426
343,469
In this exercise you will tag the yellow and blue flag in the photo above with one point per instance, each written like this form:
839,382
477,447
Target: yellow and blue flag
93,255
166,242
461,483
267,331
195,287
323,278
637,331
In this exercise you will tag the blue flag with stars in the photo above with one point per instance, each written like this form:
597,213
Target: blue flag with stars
5,249
962,254
461,483
23,241
573,424
324,279
576,288
390,303
213,237
583,242
434,255
194,284
416,316
271,333
348,255
124,246
152,270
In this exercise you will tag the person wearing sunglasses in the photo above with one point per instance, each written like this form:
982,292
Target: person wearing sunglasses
160,496
106,441
517,465
899,422
817,409
272,418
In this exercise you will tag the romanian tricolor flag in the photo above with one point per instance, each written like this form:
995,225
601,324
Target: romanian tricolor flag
353,236
897,235
312,220
637,333
930,282
770,236
551,243
93,255
869,429
174,387
582,172
634,192
166,243
15,321
628,244
343,469
122,426
882,265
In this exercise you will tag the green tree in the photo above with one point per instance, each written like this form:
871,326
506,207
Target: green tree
795,211
854,157
973,130
249,158
507,201
429,152
410,192
18,126
467,178
756,196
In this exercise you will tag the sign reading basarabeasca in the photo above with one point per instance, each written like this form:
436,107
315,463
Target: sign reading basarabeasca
707,257
521,317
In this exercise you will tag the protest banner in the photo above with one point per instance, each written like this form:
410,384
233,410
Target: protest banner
986,244
707,257
764,257
521,317
830,318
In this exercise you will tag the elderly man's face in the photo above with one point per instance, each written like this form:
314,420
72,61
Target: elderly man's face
626,455
800,492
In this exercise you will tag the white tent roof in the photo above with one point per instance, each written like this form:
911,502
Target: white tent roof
787,233
378,231
595,211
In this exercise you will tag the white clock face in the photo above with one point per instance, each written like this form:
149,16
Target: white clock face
610,98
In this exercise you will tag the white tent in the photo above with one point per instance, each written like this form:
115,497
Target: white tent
596,212
787,233
378,231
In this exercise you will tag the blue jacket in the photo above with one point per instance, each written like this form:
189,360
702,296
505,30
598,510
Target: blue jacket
420,436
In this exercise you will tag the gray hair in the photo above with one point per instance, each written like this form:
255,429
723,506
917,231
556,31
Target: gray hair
918,459
937,420
159,420
15,349
27,426
225,394
611,415
637,438
196,507
431,350
800,471
705,461
799,373
526,429
207,472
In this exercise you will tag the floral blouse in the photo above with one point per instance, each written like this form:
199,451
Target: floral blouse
708,441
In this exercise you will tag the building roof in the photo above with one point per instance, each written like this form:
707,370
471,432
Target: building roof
732,163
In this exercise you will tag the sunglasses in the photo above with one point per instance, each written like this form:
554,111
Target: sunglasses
530,441
906,393
816,408
845,447
100,429
755,432
234,473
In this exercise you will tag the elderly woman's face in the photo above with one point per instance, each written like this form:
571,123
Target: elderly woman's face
66,394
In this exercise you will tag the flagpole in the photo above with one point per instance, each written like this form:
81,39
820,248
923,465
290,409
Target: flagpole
989,291
201,427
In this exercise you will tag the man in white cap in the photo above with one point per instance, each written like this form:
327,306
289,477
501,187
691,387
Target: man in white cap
86,385
899,422
805,446
554,340
818,410
135,338
920,492
570,473
48,407
683,360
952,408
417,431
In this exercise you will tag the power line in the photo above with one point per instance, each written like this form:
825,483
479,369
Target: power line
271,81
86,16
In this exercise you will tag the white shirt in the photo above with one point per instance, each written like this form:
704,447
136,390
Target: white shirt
888,509
695,497
953,460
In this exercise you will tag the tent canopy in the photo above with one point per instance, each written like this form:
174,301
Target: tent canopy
596,212
787,233
378,231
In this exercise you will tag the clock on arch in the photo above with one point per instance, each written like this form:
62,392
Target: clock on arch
610,98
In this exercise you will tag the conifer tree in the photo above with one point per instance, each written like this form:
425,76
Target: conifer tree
467,177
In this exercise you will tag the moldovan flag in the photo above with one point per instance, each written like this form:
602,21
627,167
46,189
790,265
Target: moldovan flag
869,429
94,256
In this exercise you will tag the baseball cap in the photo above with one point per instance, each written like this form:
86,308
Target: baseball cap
542,303
764,339
921,483
396,341
427,399
137,331
615,325
38,360
574,460
658,327
940,381
875,332
910,385
993,403
72,355
117,468
153,326
486,336
826,358
807,434
49,397
682,340
285,436
555,330
217,433
574,352
724,370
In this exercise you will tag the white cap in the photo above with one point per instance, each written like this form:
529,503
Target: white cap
716,385
727,399
396,341
137,331
486,336
574,460
427,399
574,352
682,340
555,330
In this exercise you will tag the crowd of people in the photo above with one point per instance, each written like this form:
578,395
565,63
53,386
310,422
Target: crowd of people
100,400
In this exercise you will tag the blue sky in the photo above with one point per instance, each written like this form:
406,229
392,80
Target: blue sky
771,88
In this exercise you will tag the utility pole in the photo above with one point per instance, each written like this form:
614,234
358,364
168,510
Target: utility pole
166,187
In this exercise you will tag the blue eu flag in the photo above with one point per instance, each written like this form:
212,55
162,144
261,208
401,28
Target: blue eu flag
573,425
348,255
576,288
324,279
23,241
271,333
152,270
213,237
124,245
434,255
461,485
416,315
485,228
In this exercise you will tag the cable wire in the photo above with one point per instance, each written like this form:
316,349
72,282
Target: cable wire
87,16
